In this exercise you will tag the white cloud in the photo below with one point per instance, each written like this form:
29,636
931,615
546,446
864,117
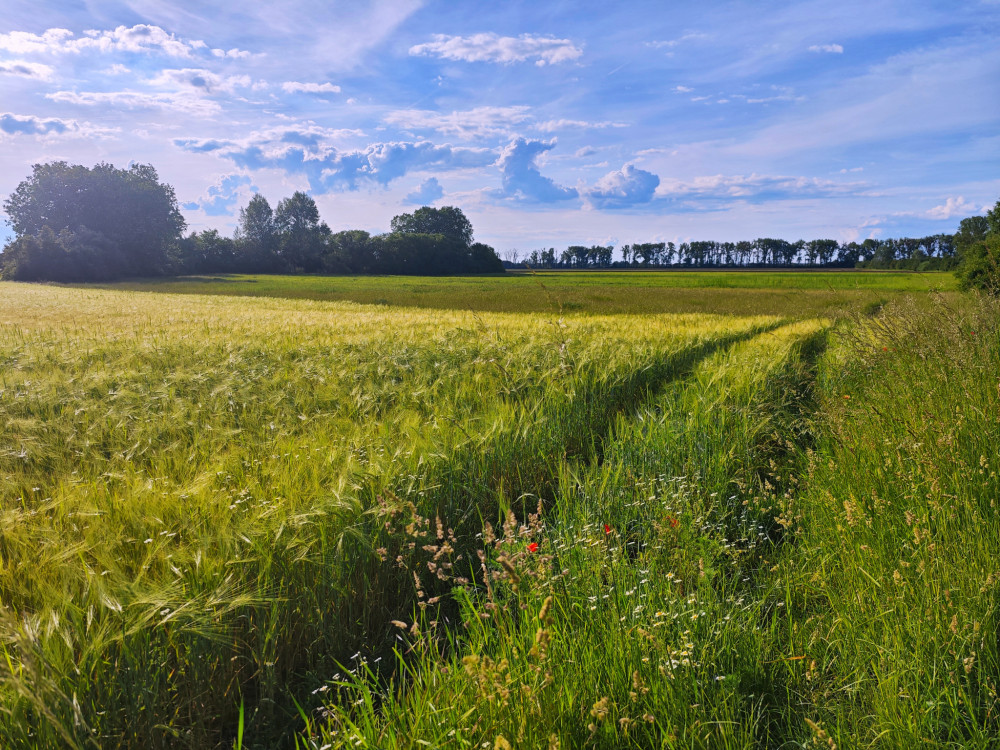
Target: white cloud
25,43
500,49
221,198
521,178
832,48
117,70
139,38
551,126
755,186
293,87
625,187
303,151
478,122
951,208
429,191
671,43
26,69
199,80
683,89
13,125
234,53
179,102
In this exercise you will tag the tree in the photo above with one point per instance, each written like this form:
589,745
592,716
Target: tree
83,255
979,247
256,237
207,252
129,210
351,252
449,221
302,236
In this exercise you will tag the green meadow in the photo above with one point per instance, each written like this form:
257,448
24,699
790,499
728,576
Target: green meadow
554,510
604,292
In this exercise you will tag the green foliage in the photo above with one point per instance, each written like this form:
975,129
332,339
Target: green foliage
82,255
448,221
125,220
980,267
979,242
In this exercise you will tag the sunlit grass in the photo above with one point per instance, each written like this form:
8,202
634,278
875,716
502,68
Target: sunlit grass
801,294
334,524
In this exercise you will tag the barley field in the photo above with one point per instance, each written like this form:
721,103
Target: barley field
796,293
266,521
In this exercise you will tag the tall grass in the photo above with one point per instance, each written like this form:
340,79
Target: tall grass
191,487
798,294
896,582
623,617
762,559
268,522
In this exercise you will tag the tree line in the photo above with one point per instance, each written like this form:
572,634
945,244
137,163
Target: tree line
74,223
934,253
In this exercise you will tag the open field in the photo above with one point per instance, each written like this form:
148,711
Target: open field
260,522
799,293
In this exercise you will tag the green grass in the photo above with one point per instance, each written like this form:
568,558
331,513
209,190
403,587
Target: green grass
798,293
302,523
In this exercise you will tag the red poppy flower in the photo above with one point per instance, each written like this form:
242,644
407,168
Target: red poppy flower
533,547
674,523
607,529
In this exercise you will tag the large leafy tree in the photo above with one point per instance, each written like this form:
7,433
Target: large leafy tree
256,236
449,221
125,218
303,237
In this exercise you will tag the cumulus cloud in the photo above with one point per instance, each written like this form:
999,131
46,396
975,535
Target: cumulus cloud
232,53
178,102
25,43
478,122
429,191
521,178
328,168
12,124
139,38
26,69
625,187
294,87
199,80
952,208
835,49
223,196
543,50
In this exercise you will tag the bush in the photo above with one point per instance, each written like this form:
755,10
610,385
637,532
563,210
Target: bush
980,268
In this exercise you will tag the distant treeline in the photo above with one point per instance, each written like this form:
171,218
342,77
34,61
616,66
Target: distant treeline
934,253
74,223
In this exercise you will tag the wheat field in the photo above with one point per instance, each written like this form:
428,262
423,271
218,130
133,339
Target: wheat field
235,521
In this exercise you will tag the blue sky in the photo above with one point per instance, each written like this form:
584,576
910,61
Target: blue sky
548,123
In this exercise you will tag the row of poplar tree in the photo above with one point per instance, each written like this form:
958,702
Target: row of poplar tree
936,252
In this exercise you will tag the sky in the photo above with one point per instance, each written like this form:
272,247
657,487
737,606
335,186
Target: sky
548,123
